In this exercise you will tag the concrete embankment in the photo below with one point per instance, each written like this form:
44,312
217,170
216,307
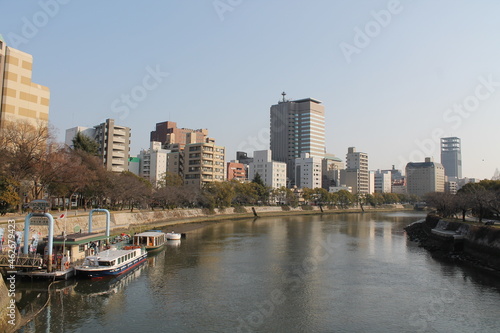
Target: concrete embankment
475,244
122,220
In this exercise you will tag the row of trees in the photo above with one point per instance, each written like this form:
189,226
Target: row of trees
481,199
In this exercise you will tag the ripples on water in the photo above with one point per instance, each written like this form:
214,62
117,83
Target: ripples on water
330,273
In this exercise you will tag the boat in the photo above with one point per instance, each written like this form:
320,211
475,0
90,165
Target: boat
173,236
151,240
111,262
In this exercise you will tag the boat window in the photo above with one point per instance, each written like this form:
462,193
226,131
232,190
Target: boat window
106,263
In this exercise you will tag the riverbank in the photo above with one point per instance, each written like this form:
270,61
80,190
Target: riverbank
141,220
457,241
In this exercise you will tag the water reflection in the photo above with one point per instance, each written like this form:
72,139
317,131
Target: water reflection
330,273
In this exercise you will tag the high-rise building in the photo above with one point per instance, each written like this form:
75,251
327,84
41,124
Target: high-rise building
168,133
356,173
297,127
20,99
308,171
424,177
451,157
272,173
113,143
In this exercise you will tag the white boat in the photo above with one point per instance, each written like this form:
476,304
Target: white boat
111,263
173,236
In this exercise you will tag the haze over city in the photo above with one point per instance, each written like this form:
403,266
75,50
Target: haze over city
393,76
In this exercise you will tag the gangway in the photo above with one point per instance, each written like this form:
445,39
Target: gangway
23,261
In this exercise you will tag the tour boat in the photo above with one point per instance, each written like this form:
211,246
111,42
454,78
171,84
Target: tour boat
151,240
173,236
111,262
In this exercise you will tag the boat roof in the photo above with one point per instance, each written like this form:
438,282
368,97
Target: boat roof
149,234
112,254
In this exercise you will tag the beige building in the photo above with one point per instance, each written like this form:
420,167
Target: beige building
203,163
356,174
21,99
425,177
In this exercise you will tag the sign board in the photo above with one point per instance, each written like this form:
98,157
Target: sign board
39,205
39,220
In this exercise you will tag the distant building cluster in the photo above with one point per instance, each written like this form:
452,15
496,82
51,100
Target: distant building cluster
297,156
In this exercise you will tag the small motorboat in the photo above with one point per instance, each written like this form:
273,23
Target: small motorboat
173,236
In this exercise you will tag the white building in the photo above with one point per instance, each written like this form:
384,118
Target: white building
153,162
383,181
273,173
308,171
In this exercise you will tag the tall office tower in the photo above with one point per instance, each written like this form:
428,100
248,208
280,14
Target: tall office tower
356,173
20,99
451,157
171,136
297,127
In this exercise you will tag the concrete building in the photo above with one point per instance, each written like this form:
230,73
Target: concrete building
153,163
356,174
168,133
424,177
20,99
383,181
204,163
236,171
113,143
297,127
330,171
72,132
134,165
308,171
273,173
451,157
451,187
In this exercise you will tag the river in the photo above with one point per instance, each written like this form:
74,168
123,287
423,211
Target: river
315,273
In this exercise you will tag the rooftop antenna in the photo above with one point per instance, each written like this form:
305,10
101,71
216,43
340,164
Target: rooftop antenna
283,94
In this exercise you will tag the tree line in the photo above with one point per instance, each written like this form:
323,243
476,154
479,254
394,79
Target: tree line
480,199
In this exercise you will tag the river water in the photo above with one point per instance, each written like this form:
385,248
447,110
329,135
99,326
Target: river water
330,273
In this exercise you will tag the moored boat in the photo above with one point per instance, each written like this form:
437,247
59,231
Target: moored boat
111,262
173,236
151,240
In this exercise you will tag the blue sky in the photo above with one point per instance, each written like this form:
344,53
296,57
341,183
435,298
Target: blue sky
393,76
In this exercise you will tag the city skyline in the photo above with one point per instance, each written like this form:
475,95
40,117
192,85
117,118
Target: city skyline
391,85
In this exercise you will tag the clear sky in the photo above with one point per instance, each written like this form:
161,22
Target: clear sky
394,76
